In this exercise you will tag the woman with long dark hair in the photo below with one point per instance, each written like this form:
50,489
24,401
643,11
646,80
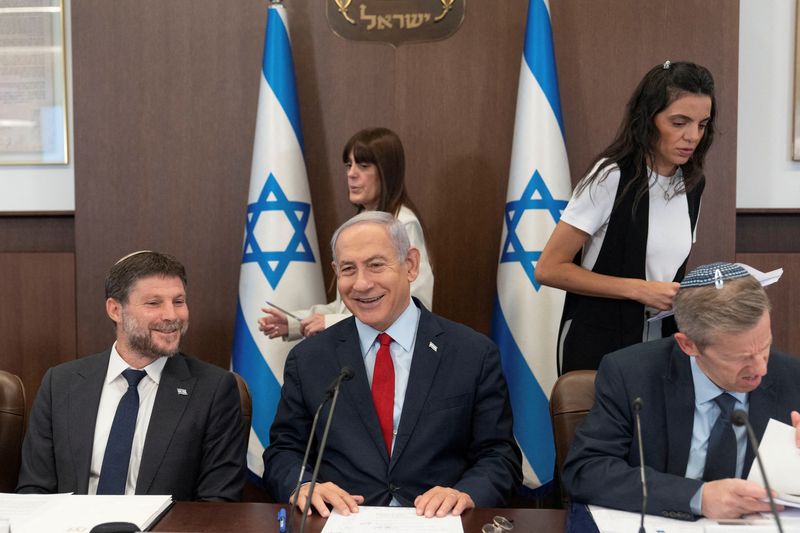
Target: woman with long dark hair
621,245
375,163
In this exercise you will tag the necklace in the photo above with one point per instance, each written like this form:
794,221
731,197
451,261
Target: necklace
666,190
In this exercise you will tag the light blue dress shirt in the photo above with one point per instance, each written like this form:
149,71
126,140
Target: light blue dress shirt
404,334
706,412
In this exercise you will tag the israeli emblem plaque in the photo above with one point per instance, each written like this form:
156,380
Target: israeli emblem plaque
395,21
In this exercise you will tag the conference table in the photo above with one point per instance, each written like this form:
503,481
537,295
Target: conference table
213,517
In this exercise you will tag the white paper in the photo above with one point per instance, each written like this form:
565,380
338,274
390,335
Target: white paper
19,508
390,520
765,278
781,459
613,521
82,513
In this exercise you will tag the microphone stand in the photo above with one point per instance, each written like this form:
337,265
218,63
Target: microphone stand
637,407
305,461
343,376
740,418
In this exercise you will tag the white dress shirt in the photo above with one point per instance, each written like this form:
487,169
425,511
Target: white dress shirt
114,387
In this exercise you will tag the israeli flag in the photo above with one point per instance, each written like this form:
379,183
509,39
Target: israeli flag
280,259
526,315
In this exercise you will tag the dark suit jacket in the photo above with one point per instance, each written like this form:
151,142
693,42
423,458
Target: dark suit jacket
455,429
602,466
194,448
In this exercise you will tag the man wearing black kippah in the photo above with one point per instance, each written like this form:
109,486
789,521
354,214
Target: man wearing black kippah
721,360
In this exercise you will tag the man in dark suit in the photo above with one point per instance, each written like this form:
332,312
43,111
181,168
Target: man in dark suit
442,441
720,360
140,418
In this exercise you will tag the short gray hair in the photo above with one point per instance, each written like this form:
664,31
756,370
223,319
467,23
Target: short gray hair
702,313
395,228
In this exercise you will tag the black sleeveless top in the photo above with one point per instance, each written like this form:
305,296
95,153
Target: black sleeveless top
603,325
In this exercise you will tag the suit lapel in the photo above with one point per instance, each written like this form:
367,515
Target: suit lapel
357,392
84,400
679,407
420,379
167,412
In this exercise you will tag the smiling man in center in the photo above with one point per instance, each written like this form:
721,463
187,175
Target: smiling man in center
425,422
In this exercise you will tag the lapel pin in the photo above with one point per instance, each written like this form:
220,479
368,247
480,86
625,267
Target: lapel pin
182,392
433,346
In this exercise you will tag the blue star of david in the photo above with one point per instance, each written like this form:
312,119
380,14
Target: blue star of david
274,263
512,248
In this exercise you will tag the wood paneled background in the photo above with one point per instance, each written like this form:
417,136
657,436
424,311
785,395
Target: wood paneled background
165,95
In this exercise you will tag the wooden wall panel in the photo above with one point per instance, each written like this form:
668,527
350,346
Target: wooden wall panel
604,47
37,321
768,230
37,233
784,295
165,99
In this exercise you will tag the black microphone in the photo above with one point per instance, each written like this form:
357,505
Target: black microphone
345,374
333,391
637,407
740,418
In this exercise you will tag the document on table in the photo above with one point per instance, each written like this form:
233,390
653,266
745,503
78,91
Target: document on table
781,459
34,513
391,520
613,521
19,508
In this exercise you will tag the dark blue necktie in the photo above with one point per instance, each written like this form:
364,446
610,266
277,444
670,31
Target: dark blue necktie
721,454
114,472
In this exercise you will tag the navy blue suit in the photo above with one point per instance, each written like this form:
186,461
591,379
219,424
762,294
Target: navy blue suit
455,429
194,448
602,466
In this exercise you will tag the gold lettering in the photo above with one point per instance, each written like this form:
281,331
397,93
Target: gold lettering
415,20
384,22
370,18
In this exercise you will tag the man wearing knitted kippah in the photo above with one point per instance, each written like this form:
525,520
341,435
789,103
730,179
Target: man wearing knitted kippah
721,360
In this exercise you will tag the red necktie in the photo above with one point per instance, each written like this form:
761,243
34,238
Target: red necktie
383,389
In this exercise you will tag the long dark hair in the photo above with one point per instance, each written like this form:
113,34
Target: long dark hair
637,135
382,148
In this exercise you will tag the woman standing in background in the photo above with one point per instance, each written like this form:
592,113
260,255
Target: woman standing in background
621,245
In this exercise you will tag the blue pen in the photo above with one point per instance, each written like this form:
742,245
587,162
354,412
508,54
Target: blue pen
282,520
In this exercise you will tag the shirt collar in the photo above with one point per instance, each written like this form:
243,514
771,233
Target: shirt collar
706,390
402,331
116,364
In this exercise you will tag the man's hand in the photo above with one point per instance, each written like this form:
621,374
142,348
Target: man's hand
796,424
312,325
274,324
732,498
329,493
440,501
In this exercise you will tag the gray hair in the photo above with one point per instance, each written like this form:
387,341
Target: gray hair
702,313
395,228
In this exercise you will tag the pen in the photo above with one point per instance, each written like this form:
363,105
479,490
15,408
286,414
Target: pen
282,520
284,311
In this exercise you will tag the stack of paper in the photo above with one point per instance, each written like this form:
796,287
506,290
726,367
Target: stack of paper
56,513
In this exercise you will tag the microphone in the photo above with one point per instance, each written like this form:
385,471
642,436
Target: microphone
333,392
740,418
637,407
345,374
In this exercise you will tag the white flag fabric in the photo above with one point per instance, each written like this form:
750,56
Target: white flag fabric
526,315
280,259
